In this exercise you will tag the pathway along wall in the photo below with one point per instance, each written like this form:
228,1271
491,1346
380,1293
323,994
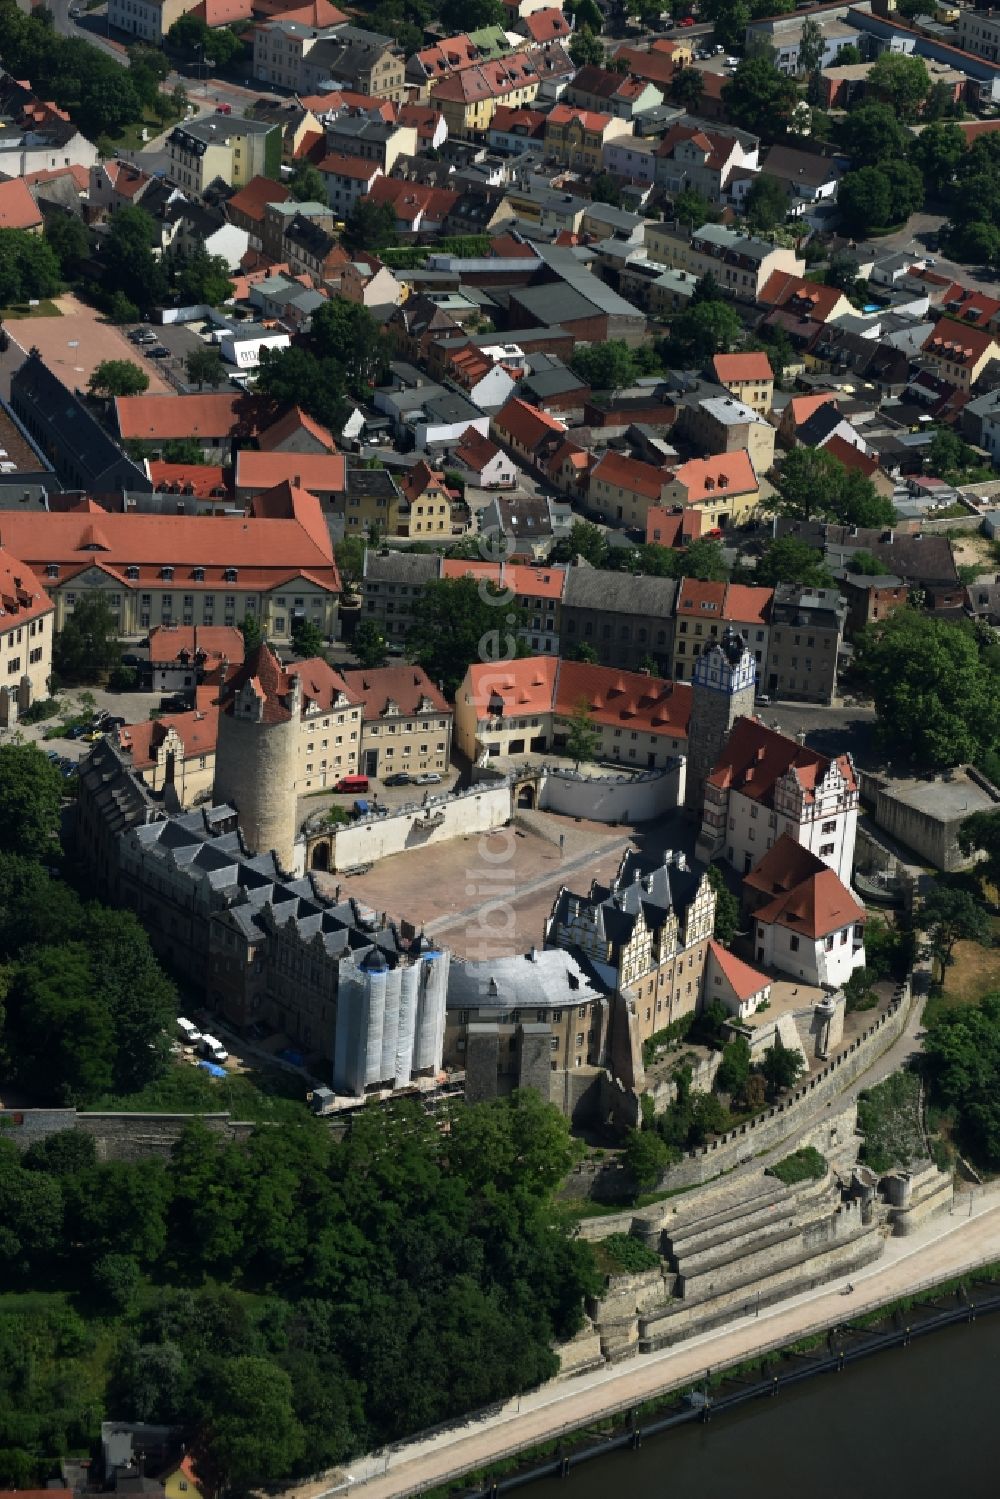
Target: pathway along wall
611,1183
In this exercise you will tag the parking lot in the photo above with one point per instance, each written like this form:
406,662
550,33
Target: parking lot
134,707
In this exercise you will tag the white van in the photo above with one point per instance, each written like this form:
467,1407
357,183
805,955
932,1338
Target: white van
190,1033
213,1049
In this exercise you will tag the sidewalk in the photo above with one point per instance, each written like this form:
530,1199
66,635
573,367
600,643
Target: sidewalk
945,1247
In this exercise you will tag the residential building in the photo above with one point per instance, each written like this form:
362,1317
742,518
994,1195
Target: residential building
807,627
427,499
488,465
470,98
379,141
741,263
979,32
37,136
576,137
748,377
765,784
521,428
514,131
784,35
959,353
405,721
371,505
805,301
296,432
734,984
724,490
537,591
812,926
18,209
347,179
453,53
870,599
307,60
705,611
645,935
718,163
723,425
322,474
807,177
391,585
226,146
176,750
27,616
183,657
622,95
525,526
212,420
627,620
509,708
147,20
203,569
622,489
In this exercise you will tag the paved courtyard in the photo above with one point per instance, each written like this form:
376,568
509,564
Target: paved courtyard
489,895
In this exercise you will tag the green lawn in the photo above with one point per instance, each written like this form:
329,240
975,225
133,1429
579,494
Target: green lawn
45,308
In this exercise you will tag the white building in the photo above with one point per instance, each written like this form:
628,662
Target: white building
764,785
813,932
243,347
390,1020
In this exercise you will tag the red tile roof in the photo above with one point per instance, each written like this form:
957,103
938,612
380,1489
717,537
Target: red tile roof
488,80
627,699
339,165
605,83
786,864
519,422
743,980
198,731
526,686
411,200
507,116
957,343
820,905
212,642
263,673
295,420
22,596
253,199
629,473
406,686
851,457
79,174
202,480
736,602
159,418
18,209
475,450
806,298
590,119
801,408
717,477
671,528
321,684
739,367
755,757
524,580
652,66
546,24
323,473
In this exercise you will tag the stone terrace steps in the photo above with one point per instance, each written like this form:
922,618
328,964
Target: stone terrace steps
758,1209
782,1221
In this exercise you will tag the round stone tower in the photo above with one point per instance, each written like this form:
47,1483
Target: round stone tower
723,686
256,756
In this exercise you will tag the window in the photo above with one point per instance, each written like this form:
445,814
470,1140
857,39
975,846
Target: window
825,850
579,1038
793,944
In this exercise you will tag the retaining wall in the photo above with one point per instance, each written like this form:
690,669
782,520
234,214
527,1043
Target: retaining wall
117,1137
481,809
612,798
611,1182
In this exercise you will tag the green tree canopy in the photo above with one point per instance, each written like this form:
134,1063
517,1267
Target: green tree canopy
458,621
814,484
788,560
205,367
935,705
760,98
29,267
901,82
962,1051
129,265
370,645
87,646
767,203
307,184
687,87
295,377
118,377
871,133
703,330
950,915
69,239
370,226
203,278
582,739
936,152
980,833
30,796
584,48
604,366
646,1157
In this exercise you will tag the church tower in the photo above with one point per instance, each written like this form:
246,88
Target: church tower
256,756
723,686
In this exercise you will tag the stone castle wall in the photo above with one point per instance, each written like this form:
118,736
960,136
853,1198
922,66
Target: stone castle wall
117,1137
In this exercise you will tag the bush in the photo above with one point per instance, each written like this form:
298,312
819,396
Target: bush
889,1119
123,679
660,1040
41,708
628,1254
801,1166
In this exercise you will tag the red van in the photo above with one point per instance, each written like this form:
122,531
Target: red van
352,783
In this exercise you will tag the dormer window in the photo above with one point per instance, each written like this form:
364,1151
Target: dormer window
132,573
230,575
167,574
199,575
52,570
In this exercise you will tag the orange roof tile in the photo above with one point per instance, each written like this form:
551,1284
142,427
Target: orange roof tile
958,343
22,596
629,473
722,475
743,980
295,420
524,580
590,119
197,730
738,367
807,298
202,480
801,408
212,642
208,414
627,699
851,457
547,24
407,686
524,687
339,165
820,905
525,424
258,472
671,528
755,757
253,199
786,864
18,209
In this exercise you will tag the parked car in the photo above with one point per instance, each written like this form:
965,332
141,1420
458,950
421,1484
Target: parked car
77,731
158,353
174,704
93,735
352,783
427,778
401,778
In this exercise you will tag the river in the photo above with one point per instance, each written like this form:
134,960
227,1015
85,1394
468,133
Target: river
913,1422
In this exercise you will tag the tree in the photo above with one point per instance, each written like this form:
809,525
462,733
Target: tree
865,564
865,200
469,15
950,456
584,540
604,189
30,797
350,555
704,559
370,226
693,208
585,49
727,906
767,203
811,46
760,98
205,367
980,834
586,13
345,334
871,134
203,278
583,652
813,483
307,184
68,238
250,1434
962,1053
703,330
906,187
118,377
458,621
687,87
140,999
116,1279
788,560
646,1157
901,82
582,739
849,56
307,638
950,915
936,153
108,102
370,645
147,69
781,1067
130,267
87,646
734,1069
252,633
295,377
935,705
28,267
605,366
59,1035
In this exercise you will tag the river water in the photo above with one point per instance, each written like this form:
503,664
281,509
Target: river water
912,1422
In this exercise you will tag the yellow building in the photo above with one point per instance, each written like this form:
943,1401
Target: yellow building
748,377
577,137
723,489
229,147
428,499
26,630
470,98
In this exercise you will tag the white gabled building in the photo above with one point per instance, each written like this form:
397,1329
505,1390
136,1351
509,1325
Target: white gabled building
764,785
806,921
